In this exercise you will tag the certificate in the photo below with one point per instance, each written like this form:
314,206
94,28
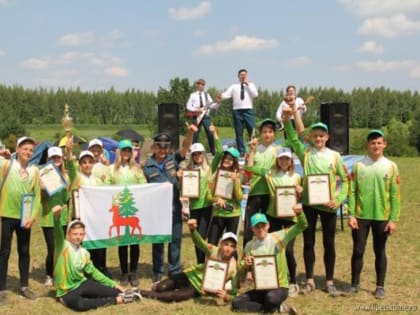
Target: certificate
76,203
214,275
265,272
224,184
319,192
190,183
51,179
286,198
27,203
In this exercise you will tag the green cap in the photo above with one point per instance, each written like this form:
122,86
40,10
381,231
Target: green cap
375,133
258,218
232,151
123,144
267,121
319,125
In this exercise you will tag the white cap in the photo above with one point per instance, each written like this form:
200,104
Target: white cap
25,139
197,147
86,153
228,235
95,142
284,152
55,151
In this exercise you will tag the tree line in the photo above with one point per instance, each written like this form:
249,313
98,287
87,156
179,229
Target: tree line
398,111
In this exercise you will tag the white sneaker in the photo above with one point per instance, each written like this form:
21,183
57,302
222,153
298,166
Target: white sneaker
293,290
49,282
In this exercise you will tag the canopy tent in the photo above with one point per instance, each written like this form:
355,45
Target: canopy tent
130,134
40,155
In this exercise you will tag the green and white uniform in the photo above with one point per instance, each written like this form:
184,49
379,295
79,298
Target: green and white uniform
126,175
264,158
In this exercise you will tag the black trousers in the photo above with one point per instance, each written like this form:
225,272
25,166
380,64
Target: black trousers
267,301
134,257
220,224
257,203
174,289
203,217
49,241
8,226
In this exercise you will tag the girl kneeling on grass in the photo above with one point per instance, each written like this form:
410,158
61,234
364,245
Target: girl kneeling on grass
80,286
188,284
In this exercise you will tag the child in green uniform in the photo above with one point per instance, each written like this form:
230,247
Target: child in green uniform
226,212
18,178
55,154
125,171
282,174
265,243
80,286
200,208
186,285
374,203
318,159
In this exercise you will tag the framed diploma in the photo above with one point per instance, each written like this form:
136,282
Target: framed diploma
319,192
214,275
265,272
27,203
190,183
224,184
286,198
51,178
76,203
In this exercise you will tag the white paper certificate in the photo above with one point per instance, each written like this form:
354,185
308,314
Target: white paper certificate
27,203
224,184
214,275
319,192
190,183
286,198
76,203
51,179
265,272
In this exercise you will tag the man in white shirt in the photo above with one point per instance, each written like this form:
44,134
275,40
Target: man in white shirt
300,103
196,104
242,94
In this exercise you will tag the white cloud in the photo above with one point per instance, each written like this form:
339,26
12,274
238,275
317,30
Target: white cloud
111,37
190,13
76,39
379,65
36,63
2,53
371,47
367,8
299,61
239,43
116,71
389,27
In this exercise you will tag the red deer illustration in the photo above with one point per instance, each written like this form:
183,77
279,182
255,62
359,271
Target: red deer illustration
118,221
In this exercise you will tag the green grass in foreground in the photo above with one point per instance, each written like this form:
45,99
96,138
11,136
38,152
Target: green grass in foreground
402,283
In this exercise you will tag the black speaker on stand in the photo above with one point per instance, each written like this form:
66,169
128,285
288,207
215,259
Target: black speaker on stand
336,117
168,121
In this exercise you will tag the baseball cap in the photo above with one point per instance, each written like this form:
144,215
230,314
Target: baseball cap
284,151
232,151
85,153
94,142
21,140
229,235
163,138
319,125
123,144
258,218
55,151
267,121
375,133
197,147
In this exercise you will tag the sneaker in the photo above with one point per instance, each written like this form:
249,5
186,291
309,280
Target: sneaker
308,288
380,293
353,289
133,279
49,282
293,290
332,290
124,279
26,292
129,296
3,297
287,309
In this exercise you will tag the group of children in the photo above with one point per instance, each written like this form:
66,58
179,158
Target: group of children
81,277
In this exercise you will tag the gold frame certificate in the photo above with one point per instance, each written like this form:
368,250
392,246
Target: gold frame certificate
214,277
76,203
190,183
286,198
265,272
319,192
27,204
224,184
51,179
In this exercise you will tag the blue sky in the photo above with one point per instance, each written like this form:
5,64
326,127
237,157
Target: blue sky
143,44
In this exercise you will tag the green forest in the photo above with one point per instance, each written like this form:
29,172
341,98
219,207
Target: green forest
397,112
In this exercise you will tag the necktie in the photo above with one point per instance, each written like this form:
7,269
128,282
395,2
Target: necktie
201,101
242,92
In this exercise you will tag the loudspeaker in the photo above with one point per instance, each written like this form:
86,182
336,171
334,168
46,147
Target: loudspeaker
168,121
336,116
